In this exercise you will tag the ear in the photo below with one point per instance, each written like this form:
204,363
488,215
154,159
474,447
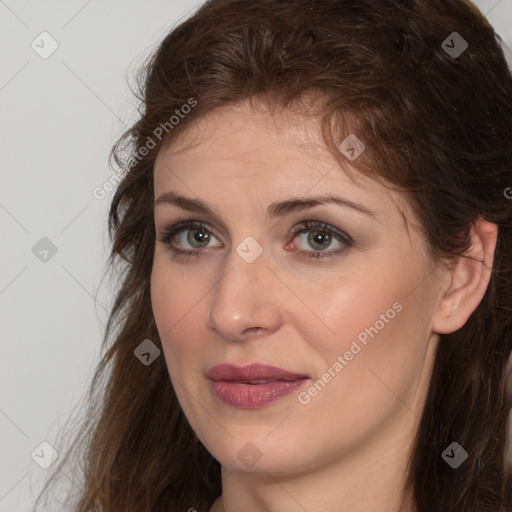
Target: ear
466,280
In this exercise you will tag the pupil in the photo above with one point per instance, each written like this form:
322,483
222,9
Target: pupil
199,236
320,239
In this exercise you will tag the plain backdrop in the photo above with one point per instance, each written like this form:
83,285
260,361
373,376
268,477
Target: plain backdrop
59,116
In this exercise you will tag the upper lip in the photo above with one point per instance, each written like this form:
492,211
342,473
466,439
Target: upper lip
232,373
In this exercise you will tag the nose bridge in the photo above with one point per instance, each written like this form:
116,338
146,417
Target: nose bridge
244,298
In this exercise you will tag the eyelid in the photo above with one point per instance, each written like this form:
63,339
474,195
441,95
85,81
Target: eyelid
169,232
308,225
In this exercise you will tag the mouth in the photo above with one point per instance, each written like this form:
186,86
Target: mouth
252,374
253,386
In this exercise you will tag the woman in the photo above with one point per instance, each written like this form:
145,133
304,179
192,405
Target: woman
315,308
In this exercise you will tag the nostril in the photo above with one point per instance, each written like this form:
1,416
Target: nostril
251,331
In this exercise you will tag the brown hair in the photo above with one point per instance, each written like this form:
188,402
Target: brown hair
436,125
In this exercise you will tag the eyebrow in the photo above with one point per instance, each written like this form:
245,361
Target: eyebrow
277,209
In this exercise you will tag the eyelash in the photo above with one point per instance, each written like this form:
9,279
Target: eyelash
169,232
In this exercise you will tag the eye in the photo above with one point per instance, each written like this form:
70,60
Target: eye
320,237
198,236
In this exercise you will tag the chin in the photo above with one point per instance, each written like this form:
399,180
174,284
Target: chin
256,454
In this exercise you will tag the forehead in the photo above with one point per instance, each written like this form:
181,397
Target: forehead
265,156
248,139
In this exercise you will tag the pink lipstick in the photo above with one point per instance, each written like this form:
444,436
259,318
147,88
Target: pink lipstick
253,386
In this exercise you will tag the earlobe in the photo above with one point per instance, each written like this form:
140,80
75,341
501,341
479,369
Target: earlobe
467,280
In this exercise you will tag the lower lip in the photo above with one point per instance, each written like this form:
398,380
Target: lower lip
252,396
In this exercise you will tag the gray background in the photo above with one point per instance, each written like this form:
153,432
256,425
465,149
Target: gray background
59,117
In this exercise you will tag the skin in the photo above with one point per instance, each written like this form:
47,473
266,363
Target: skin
349,445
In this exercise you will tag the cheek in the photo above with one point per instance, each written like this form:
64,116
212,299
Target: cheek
367,304
375,332
378,344
176,307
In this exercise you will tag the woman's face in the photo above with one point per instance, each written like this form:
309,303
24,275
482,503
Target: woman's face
344,304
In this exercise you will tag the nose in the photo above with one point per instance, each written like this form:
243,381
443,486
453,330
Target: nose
246,301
